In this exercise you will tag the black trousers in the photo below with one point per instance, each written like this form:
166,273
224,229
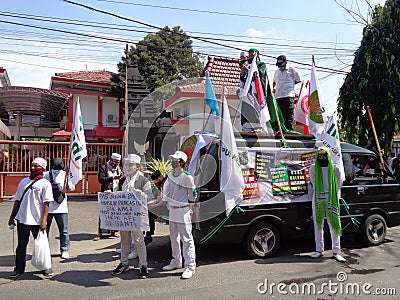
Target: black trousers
23,232
286,105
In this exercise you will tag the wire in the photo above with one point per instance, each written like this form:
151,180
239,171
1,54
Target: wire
228,14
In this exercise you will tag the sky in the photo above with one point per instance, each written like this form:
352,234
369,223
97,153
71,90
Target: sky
41,38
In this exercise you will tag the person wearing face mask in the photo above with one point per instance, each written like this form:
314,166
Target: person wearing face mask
179,192
134,182
285,79
59,211
326,180
109,176
31,207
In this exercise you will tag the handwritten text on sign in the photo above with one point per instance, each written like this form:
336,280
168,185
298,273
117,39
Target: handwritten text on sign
123,211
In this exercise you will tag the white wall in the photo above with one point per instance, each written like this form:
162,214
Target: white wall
110,107
89,110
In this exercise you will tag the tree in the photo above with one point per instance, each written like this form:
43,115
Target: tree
161,58
374,81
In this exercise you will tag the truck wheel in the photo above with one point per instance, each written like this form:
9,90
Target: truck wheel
263,240
373,231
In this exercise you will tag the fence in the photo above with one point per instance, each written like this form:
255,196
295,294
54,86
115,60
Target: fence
17,156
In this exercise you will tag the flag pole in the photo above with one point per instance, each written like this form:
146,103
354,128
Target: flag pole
126,106
276,112
220,131
204,102
376,138
70,144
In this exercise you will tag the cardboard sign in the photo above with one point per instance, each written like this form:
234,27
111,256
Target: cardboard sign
123,211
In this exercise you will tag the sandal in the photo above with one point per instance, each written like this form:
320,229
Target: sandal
97,237
339,258
316,255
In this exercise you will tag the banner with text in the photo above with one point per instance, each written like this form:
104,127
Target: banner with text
276,175
123,211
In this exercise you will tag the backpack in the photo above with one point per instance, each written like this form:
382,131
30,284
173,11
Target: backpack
58,195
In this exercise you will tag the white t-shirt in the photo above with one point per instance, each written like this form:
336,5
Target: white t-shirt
54,207
285,82
31,207
177,190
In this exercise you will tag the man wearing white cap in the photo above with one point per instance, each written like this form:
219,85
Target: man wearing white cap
108,177
30,209
134,182
180,193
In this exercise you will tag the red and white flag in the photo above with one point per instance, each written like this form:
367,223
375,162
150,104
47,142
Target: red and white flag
303,105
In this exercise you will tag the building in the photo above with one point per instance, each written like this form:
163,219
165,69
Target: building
187,105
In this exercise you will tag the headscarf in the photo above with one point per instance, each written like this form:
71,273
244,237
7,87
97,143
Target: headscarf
333,205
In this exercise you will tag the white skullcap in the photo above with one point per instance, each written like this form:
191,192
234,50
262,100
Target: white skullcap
116,156
133,159
40,161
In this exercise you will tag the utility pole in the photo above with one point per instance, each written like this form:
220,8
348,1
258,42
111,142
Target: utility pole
126,115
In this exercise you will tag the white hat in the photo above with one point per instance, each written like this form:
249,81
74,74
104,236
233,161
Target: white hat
116,156
243,53
133,159
40,161
179,155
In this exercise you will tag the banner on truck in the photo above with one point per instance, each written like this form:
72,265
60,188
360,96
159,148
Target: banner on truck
276,175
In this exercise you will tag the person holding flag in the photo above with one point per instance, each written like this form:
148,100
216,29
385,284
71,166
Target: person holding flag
326,180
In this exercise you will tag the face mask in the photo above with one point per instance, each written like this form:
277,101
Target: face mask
323,162
130,169
175,164
113,165
281,68
36,173
56,172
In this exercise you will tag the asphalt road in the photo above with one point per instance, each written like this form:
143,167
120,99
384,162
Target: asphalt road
223,272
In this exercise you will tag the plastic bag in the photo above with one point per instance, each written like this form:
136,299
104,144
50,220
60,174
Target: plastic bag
41,257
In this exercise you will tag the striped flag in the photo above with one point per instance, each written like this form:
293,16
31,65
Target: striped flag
78,147
254,94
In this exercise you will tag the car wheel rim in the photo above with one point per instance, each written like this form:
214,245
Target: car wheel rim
376,230
264,240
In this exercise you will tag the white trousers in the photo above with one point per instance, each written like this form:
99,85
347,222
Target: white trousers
182,231
319,235
126,246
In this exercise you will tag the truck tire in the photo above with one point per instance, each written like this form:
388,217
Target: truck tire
373,231
263,240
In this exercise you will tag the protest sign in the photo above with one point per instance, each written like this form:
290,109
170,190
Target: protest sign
123,211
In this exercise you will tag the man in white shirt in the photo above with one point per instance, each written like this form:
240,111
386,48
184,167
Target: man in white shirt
59,211
30,210
180,194
285,79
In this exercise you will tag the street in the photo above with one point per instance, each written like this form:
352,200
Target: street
223,271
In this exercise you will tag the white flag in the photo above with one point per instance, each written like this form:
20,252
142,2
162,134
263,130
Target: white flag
330,139
203,139
317,108
78,147
303,105
232,182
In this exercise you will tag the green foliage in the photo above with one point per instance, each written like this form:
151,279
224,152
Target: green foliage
374,81
164,166
161,58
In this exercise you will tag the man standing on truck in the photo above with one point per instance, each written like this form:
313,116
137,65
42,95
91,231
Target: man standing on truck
327,180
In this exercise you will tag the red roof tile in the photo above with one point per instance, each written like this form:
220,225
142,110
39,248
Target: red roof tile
98,75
